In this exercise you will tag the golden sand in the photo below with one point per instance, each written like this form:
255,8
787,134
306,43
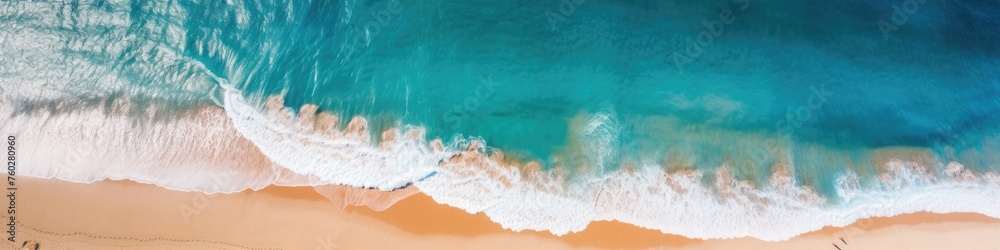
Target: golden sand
123,214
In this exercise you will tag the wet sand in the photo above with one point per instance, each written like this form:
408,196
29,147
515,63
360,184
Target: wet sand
123,214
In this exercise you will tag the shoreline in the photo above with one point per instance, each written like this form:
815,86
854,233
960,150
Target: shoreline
640,196
110,214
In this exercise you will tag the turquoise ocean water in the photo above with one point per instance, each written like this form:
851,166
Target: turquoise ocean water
516,73
829,88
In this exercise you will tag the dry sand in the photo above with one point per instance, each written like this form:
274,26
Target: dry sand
124,214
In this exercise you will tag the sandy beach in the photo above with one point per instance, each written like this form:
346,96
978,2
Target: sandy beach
124,214
128,214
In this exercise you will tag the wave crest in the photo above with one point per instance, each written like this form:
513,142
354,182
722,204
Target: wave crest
520,196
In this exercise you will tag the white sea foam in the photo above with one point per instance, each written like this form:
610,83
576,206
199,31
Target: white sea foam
462,175
193,151
198,151
676,203
335,157
600,140
113,100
